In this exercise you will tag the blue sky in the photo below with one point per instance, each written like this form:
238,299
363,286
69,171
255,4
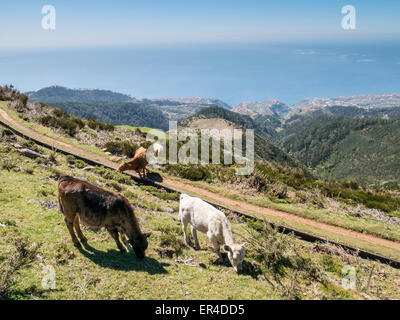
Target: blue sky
236,50
108,23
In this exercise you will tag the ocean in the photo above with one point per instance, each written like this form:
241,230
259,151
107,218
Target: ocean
233,73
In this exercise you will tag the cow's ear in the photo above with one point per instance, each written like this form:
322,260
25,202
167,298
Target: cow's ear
227,248
148,234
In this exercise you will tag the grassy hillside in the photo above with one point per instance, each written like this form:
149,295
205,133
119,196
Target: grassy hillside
33,235
272,184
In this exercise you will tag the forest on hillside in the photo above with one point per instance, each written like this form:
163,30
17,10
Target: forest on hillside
62,94
335,146
127,113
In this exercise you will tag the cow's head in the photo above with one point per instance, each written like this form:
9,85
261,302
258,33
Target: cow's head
140,244
123,166
235,254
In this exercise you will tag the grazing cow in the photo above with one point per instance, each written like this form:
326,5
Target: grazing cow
138,163
97,208
205,218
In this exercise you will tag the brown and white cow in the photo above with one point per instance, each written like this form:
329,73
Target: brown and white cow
98,208
138,163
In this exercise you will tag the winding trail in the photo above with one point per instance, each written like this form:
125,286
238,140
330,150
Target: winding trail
200,192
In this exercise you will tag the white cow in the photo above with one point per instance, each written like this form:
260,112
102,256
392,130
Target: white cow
205,218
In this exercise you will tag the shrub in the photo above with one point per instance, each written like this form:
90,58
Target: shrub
171,238
70,159
276,255
121,148
8,164
79,163
21,257
53,157
191,172
29,170
68,125
60,113
97,125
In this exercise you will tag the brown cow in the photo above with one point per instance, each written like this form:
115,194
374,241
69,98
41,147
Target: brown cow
138,163
97,208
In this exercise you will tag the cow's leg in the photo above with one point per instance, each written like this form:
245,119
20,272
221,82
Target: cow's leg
78,229
216,246
115,235
184,228
196,241
124,238
70,226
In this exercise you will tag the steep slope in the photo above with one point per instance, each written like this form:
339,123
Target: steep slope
263,148
341,147
269,180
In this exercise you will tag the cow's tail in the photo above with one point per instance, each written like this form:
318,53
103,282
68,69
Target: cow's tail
61,179
61,204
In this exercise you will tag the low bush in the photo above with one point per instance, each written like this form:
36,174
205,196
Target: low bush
171,237
121,148
75,162
97,125
60,114
68,125
280,260
8,164
191,172
23,255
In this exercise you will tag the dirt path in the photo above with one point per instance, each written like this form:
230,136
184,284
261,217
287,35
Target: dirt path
181,185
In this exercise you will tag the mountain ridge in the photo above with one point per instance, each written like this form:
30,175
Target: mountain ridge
172,108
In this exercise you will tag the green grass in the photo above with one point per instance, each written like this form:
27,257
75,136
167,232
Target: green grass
102,272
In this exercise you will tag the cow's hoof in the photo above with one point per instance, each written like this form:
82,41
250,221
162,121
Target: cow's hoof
123,250
196,247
